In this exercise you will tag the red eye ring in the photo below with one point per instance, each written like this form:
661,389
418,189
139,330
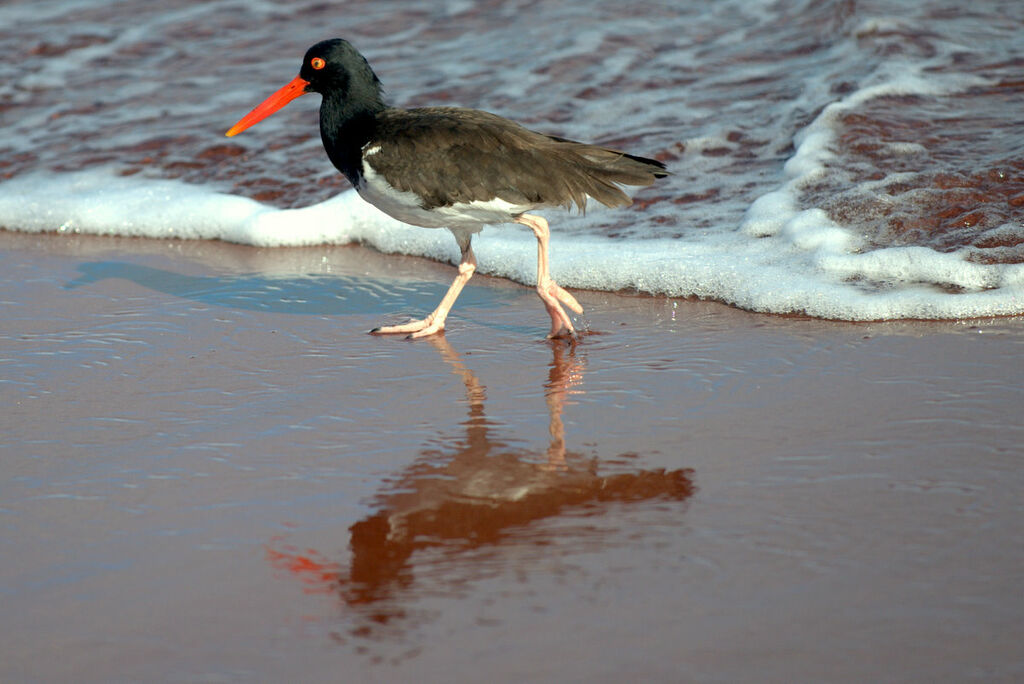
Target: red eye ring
317,63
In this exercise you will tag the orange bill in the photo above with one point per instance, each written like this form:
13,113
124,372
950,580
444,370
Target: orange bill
295,88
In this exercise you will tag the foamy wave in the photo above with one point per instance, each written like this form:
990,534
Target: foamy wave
833,273
783,261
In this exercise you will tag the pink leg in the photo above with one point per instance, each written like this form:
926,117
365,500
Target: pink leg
553,296
434,323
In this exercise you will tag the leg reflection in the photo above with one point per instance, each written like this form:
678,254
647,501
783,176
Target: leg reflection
479,492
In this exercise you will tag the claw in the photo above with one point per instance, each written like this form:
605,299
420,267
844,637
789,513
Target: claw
413,326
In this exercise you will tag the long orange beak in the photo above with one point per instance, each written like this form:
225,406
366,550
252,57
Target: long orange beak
295,88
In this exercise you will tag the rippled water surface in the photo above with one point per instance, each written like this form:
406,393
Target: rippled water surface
847,160
212,473
209,472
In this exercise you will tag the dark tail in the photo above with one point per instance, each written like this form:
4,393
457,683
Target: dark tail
601,172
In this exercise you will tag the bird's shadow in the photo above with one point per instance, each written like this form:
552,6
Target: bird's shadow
298,294
465,498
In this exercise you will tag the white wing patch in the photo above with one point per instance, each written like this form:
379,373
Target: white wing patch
407,206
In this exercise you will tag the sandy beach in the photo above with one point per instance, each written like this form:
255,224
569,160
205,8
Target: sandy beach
213,474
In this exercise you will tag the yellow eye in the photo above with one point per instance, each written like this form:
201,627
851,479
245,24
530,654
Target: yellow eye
317,63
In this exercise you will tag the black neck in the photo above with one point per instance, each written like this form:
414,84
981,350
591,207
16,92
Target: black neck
346,125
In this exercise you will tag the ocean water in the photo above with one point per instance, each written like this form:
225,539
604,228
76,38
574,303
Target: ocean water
845,160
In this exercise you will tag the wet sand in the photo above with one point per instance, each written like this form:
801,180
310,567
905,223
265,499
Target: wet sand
211,473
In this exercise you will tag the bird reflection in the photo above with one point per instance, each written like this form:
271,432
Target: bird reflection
479,493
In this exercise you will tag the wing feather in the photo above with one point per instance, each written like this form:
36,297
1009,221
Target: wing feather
450,155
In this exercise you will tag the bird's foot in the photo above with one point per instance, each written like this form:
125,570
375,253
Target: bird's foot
570,335
432,329
555,301
415,329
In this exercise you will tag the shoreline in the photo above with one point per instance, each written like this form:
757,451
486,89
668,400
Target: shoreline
213,471
226,257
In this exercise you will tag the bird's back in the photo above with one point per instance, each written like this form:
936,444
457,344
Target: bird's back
451,155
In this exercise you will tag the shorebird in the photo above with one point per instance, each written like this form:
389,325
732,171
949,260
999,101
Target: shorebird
455,168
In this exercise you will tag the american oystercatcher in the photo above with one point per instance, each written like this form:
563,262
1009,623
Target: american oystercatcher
455,168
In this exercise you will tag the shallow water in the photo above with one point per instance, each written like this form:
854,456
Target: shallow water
211,473
846,160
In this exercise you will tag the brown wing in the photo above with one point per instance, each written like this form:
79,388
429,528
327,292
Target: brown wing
448,155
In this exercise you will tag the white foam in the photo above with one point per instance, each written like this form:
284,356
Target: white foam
828,274
805,264
719,88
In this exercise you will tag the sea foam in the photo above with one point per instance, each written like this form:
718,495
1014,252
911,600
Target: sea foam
782,260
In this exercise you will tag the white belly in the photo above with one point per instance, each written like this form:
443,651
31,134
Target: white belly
407,207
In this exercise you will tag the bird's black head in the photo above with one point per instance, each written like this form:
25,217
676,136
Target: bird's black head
334,67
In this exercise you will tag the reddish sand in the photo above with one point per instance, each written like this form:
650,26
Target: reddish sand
212,473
